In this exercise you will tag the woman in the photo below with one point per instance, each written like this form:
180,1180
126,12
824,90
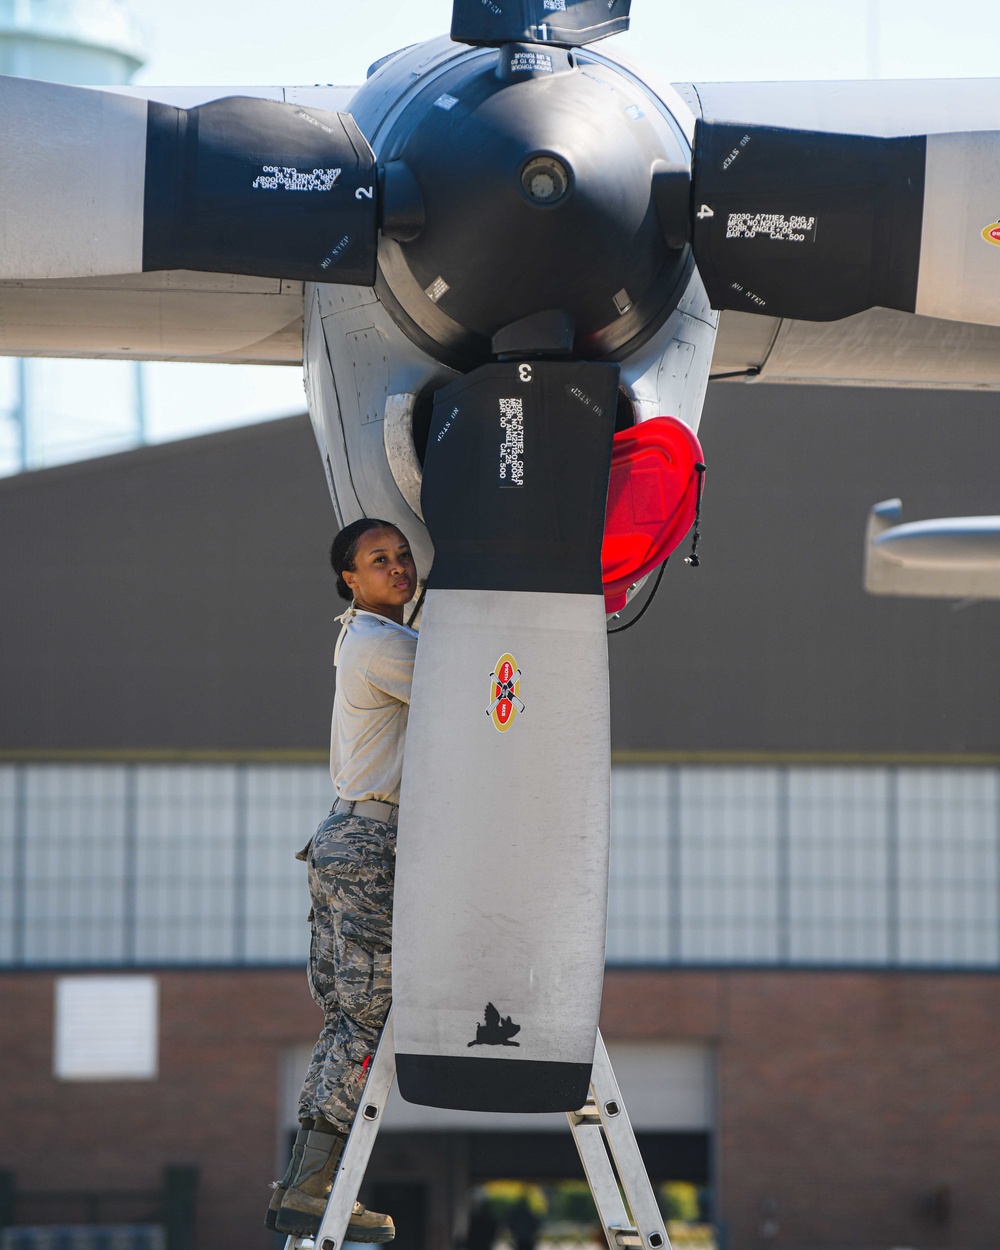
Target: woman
351,859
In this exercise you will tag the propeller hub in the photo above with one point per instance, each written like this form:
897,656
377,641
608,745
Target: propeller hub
535,175
545,180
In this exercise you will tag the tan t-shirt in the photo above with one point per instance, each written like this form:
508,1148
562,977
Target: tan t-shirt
374,660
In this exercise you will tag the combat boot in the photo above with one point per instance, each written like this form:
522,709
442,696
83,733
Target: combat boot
279,1187
304,1202
369,1226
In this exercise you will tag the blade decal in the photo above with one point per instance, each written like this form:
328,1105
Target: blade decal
511,472
807,225
540,435
259,187
505,693
776,226
281,178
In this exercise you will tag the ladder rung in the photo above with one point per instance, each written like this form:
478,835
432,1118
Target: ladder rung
587,1115
627,1237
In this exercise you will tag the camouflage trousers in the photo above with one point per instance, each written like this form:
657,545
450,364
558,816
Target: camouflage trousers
352,862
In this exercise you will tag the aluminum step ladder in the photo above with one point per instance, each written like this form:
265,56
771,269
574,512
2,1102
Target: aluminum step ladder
602,1132
615,1171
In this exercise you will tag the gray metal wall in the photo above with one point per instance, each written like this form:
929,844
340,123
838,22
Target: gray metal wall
171,597
178,597
772,645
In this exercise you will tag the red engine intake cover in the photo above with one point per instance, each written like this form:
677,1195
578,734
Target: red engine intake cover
652,501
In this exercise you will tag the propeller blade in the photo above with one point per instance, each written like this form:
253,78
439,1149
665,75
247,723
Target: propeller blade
106,184
817,226
791,223
254,186
501,882
571,23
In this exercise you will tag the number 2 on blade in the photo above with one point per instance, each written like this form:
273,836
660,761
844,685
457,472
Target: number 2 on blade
524,372
364,193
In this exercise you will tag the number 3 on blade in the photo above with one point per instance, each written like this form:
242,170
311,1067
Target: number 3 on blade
364,193
525,373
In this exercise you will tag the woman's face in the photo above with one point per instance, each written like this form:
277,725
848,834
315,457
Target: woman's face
384,576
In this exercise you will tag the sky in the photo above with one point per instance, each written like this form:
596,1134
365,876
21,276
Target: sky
232,43
333,41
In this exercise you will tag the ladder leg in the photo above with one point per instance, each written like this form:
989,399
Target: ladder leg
603,1135
358,1150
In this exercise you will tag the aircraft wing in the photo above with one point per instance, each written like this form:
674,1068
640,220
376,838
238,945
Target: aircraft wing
174,314
880,346
944,558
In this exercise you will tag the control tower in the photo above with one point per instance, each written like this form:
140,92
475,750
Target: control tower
88,43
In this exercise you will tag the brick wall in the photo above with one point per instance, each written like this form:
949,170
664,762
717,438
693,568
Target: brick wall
215,1103
845,1099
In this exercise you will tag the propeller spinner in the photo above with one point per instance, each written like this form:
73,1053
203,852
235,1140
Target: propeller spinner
526,183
